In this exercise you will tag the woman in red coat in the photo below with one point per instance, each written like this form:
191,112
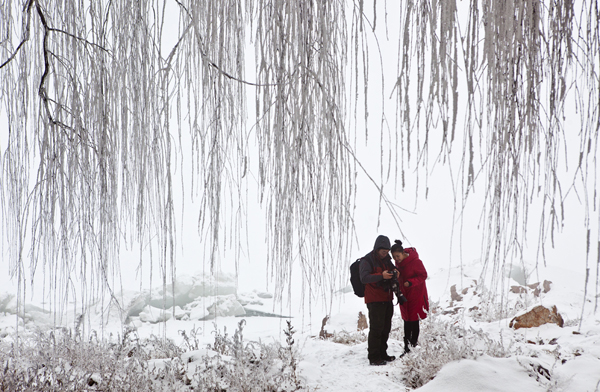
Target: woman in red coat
412,284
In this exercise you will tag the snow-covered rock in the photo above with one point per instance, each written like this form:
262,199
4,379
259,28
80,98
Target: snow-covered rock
8,303
190,295
151,314
137,303
226,306
198,310
537,316
263,294
188,288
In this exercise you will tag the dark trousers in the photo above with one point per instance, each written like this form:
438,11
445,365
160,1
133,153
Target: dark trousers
380,325
411,332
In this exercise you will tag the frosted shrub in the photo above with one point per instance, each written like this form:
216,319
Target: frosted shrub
442,341
61,360
289,356
248,366
191,342
494,307
349,338
156,348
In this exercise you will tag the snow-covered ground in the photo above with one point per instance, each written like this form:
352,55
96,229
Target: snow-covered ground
484,353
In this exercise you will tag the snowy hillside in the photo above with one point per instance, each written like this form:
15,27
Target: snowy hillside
229,338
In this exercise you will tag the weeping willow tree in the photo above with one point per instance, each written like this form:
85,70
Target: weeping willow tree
518,65
100,97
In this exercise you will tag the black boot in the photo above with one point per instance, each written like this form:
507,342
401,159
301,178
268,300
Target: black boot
406,345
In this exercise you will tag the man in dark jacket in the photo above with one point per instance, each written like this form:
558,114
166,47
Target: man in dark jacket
375,267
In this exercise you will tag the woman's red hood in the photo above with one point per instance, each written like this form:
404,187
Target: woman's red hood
412,255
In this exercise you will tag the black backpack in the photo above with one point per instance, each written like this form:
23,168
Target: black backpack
357,285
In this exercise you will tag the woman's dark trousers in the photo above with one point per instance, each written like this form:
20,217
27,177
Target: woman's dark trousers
411,334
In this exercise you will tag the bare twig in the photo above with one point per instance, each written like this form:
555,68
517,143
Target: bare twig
51,29
12,56
26,33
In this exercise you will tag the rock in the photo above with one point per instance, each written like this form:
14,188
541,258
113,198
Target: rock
324,334
537,316
202,286
454,295
179,313
518,289
264,295
154,315
536,287
8,303
452,310
249,299
362,322
546,285
198,311
137,304
225,307
260,313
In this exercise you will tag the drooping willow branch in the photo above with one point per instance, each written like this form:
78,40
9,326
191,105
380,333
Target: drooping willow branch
520,62
90,159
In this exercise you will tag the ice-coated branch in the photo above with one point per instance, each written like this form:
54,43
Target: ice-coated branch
94,108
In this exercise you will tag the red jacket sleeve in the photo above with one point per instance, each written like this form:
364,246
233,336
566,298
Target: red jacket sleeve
419,273
414,272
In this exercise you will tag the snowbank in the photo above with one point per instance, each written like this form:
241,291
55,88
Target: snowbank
484,374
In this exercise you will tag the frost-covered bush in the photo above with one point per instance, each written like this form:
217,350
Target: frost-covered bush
248,366
443,340
62,360
349,338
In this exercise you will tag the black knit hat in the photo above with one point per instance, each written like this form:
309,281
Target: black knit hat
382,242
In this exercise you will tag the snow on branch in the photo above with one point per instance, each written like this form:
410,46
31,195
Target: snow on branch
96,116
